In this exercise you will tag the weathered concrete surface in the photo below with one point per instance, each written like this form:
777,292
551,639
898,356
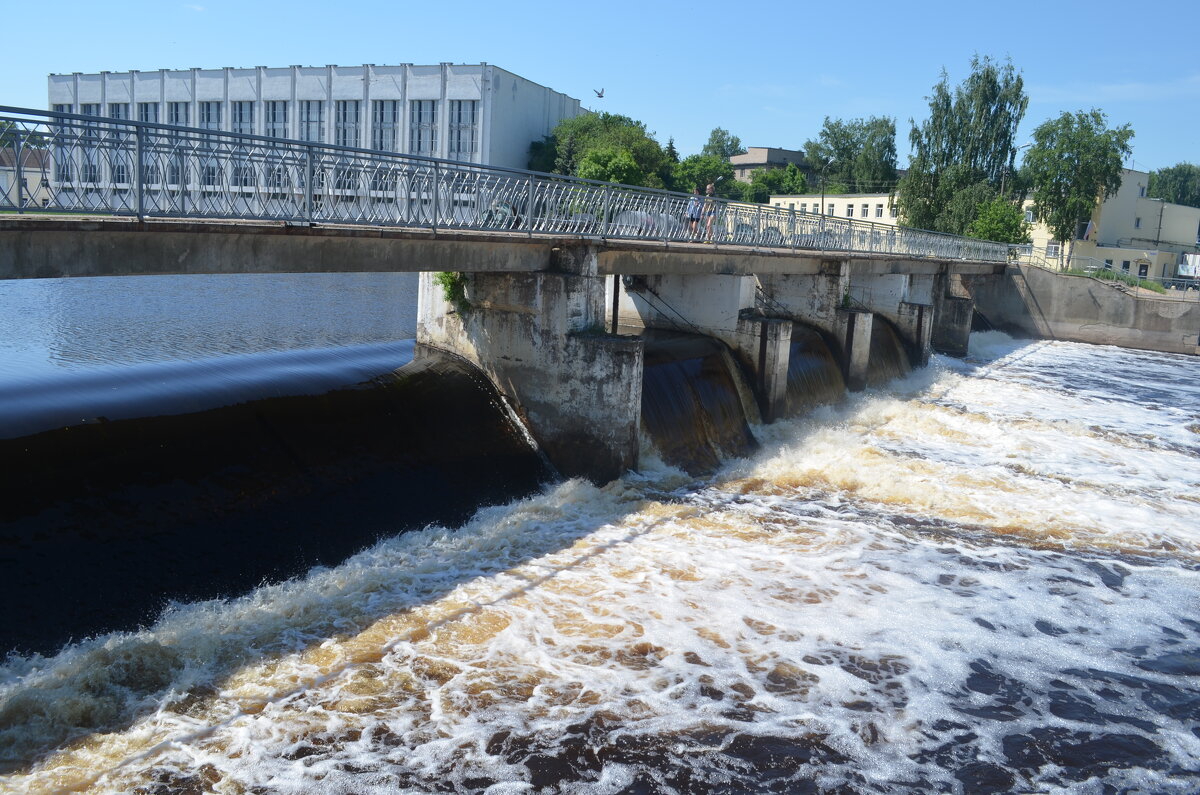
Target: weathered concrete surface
539,338
33,246
815,299
854,332
764,348
952,325
1033,302
45,248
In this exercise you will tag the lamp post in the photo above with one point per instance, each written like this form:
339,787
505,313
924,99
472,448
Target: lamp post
1004,171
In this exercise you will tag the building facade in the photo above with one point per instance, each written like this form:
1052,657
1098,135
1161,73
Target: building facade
763,157
878,208
1128,231
475,113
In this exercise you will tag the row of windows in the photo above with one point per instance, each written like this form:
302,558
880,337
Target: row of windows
831,209
461,123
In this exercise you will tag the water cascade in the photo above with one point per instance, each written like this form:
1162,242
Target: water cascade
889,358
694,401
203,479
814,373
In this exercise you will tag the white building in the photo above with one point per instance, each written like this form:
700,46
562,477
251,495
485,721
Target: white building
475,113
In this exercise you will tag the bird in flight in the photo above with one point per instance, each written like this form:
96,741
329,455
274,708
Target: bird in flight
599,93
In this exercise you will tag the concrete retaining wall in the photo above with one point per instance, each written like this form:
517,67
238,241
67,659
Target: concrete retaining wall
1033,302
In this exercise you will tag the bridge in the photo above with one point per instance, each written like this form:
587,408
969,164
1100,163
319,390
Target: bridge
547,266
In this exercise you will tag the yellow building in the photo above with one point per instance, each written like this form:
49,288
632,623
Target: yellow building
1127,232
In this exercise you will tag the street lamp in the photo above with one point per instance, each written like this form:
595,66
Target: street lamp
1004,171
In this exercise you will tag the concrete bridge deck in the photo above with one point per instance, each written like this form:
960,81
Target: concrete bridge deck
43,246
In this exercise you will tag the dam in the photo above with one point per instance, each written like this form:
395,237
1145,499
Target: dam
968,578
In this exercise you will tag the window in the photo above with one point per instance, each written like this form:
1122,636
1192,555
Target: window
241,117
1107,264
895,211
1125,265
243,176
804,207
118,110
422,133
878,210
210,115
209,175
148,112
1029,216
1052,248
312,120
830,211
865,211
91,173
1137,223
275,123
90,109
62,108
177,113
345,122
385,125
792,206
849,210
1143,269
120,173
1142,191
463,129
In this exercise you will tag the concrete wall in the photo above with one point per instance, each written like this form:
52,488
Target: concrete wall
539,338
1034,302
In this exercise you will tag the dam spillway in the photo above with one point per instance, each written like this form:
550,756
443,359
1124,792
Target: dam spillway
977,581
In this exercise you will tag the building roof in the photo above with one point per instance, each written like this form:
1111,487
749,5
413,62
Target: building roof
36,159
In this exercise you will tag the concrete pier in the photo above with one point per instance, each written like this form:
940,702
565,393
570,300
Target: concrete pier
540,338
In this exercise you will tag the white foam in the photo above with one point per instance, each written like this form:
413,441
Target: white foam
968,540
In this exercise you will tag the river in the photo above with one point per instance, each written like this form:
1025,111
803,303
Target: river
982,577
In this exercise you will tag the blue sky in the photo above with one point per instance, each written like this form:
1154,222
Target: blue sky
768,72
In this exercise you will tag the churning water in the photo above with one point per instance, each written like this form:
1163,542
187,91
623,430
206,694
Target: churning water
984,577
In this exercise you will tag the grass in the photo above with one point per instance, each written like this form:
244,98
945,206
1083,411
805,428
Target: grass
1118,276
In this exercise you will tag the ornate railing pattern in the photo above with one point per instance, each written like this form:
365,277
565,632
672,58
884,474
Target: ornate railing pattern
67,163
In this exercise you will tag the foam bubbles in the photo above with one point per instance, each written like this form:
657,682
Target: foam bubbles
967,581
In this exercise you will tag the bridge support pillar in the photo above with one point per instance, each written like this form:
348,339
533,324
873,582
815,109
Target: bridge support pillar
814,298
854,333
764,347
540,338
915,324
953,313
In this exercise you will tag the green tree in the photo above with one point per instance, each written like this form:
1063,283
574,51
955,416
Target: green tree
767,182
858,156
722,144
542,154
610,164
1074,163
1179,184
1000,220
671,152
967,140
11,135
577,140
699,170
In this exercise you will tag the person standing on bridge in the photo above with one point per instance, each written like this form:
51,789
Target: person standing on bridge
710,211
694,208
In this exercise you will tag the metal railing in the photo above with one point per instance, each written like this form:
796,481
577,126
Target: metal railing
100,165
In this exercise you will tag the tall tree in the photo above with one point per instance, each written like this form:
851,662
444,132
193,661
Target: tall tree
967,140
1000,220
1074,163
857,156
722,144
1179,184
598,139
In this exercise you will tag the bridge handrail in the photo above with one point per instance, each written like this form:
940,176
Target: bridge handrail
73,163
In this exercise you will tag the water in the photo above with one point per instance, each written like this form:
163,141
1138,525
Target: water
980,578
